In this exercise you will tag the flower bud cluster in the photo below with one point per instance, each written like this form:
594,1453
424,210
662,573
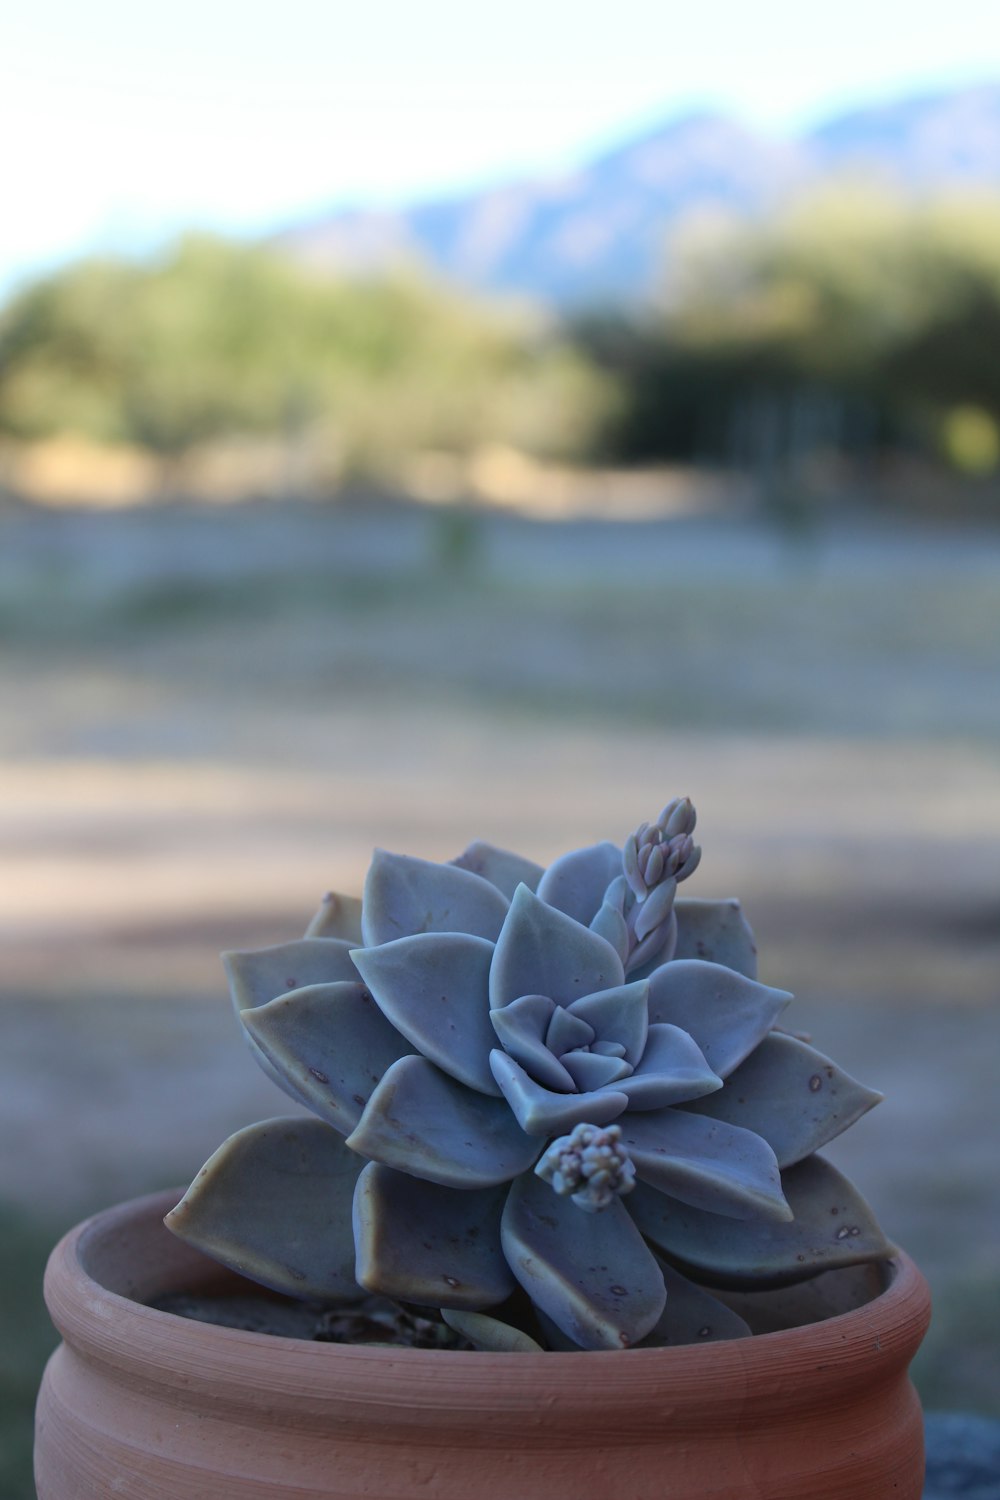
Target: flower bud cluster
590,1165
656,858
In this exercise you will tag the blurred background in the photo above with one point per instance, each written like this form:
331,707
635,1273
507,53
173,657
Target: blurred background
416,427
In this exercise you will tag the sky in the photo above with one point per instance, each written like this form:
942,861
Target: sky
124,124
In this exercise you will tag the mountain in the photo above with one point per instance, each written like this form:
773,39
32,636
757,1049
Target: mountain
598,234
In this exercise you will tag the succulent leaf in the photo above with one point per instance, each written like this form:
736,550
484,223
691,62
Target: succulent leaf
692,1315
273,1203
259,975
490,1334
576,882
521,1028
832,1226
609,921
566,1031
330,1043
419,1242
421,1121
715,1166
726,1013
602,1287
404,896
792,1095
500,867
337,917
539,1111
618,1015
434,988
541,951
716,931
592,1070
672,1070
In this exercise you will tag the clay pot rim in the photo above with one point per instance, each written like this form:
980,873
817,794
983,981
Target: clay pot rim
229,1366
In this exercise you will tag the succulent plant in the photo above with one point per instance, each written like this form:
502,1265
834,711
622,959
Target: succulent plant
554,1104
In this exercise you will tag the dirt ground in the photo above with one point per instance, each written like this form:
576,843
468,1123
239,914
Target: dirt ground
211,719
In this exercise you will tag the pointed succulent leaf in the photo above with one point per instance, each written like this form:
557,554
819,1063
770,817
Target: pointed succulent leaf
331,1043
618,1015
434,988
609,922
257,976
273,1203
521,1028
576,882
500,867
421,1121
541,951
792,1095
337,917
655,950
692,1315
419,1242
404,896
673,1069
726,1013
718,932
262,974
589,1070
490,1334
565,1032
539,1111
717,1167
599,1283
832,1226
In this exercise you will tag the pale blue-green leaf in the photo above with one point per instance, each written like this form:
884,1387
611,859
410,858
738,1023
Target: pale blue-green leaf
543,1113
521,1028
589,1070
419,1242
792,1095
575,883
692,1315
726,1013
337,917
274,1204
259,975
593,1276
565,1032
489,1334
673,1069
718,932
404,896
714,1166
541,951
331,1043
421,1121
653,951
618,1015
500,867
611,925
434,988
832,1226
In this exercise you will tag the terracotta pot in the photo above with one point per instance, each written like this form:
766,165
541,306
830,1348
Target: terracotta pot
151,1406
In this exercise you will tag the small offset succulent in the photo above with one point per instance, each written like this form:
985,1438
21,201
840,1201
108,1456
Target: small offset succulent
554,1105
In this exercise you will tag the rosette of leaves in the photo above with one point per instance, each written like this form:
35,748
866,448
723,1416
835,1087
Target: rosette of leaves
553,1103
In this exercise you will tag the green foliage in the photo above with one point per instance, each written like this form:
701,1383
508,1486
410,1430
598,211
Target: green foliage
851,319
217,339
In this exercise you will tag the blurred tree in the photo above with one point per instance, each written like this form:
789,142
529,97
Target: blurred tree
217,339
852,319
